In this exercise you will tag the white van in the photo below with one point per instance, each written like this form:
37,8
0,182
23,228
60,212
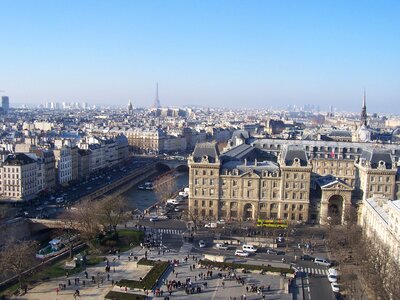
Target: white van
172,201
332,275
249,248
322,262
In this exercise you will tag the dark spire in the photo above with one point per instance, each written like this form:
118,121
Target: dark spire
364,110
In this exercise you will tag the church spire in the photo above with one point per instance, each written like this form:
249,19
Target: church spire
364,110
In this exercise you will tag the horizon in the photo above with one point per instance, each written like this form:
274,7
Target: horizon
226,54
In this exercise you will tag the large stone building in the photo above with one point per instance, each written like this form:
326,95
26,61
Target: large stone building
295,183
380,219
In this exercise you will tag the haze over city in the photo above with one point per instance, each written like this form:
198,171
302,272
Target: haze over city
210,53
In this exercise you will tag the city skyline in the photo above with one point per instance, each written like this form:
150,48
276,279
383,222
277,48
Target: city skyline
223,54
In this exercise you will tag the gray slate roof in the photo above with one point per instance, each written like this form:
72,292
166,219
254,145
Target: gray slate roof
206,149
374,156
290,152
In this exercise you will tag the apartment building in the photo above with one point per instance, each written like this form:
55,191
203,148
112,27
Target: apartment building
18,177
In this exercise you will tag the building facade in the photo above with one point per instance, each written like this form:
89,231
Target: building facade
250,183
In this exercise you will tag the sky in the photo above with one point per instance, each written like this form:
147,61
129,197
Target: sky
253,54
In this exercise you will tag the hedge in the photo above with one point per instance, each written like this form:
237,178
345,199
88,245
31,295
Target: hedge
148,282
124,296
245,266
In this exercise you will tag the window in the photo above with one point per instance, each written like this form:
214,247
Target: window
249,183
196,203
234,182
211,181
286,207
234,193
301,207
204,172
210,203
203,203
211,173
224,182
263,183
211,191
293,206
285,216
273,194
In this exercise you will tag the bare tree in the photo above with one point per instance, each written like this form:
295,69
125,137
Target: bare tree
165,186
85,220
112,211
17,257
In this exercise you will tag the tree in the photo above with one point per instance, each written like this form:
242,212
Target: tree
112,211
84,219
17,257
164,186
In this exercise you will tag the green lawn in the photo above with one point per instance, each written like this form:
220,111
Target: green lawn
124,296
128,239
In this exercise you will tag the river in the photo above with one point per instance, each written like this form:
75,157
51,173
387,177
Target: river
143,199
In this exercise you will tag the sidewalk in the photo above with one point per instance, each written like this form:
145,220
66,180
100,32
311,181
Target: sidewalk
217,288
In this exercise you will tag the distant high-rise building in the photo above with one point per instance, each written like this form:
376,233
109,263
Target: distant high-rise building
157,100
5,104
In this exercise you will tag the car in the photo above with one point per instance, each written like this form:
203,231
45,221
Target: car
221,222
332,278
202,244
335,287
272,251
221,246
241,253
177,209
154,219
307,257
211,225
280,239
333,275
322,262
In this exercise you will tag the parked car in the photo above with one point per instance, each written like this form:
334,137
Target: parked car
307,257
221,222
322,262
272,251
202,244
249,248
241,253
332,275
222,246
211,225
154,219
335,287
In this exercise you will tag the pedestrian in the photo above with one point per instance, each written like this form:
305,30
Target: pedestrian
223,284
57,291
176,275
86,275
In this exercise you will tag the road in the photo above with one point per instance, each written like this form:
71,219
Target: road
47,206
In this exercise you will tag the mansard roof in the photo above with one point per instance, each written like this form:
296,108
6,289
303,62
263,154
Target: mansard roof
256,167
376,156
18,159
209,150
292,152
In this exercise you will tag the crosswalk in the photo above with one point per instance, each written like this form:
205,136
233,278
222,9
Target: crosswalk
170,231
185,249
314,271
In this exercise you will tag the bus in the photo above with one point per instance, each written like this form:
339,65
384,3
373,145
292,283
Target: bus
272,223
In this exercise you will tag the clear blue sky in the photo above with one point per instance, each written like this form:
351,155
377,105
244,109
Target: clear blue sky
217,53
